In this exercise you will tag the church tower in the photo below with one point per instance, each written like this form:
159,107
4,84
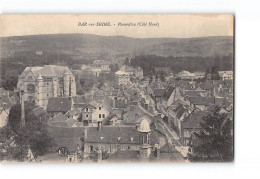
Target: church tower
145,134
66,83
55,86
40,90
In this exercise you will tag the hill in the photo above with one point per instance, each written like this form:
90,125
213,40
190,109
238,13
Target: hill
109,46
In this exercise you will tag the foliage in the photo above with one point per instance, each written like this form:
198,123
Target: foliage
214,74
105,154
17,140
114,67
194,63
14,118
79,88
214,142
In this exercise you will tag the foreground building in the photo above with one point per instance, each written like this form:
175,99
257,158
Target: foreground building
112,139
41,83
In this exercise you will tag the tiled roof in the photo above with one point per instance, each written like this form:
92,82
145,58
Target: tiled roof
66,137
5,102
78,106
132,114
116,135
156,85
125,156
179,110
112,135
159,92
38,111
59,118
59,104
72,122
107,102
194,119
194,92
47,70
72,112
202,100
81,100
121,104
168,93
58,124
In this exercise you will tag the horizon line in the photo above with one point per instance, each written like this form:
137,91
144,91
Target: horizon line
117,36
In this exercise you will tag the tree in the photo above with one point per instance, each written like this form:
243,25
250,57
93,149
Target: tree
114,67
33,135
79,88
215,74
214,142
127,61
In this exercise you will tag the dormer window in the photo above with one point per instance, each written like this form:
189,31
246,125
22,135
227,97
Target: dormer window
101,138
99,108
118,138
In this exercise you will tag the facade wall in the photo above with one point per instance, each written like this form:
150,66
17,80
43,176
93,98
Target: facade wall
110,148
51,86
100,113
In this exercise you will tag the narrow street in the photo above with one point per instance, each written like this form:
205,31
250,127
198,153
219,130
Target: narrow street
171,136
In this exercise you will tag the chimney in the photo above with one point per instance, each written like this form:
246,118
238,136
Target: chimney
99,125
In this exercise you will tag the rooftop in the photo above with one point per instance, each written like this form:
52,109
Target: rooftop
59,104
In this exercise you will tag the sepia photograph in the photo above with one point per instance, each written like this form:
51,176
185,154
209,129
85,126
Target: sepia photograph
117,88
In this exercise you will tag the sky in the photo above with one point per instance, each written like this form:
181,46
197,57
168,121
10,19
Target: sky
170,25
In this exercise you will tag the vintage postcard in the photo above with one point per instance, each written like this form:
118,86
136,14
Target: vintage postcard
80,88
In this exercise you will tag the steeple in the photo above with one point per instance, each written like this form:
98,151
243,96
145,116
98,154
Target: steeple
145,134
66,82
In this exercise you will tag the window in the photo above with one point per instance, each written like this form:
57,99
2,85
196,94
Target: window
86,109
99,108
99,115
103,115
148,139
47,94
86,115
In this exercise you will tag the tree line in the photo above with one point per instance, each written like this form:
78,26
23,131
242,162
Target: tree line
177,64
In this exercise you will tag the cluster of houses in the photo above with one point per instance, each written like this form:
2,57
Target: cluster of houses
125,74
136,118
183,103
98,66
